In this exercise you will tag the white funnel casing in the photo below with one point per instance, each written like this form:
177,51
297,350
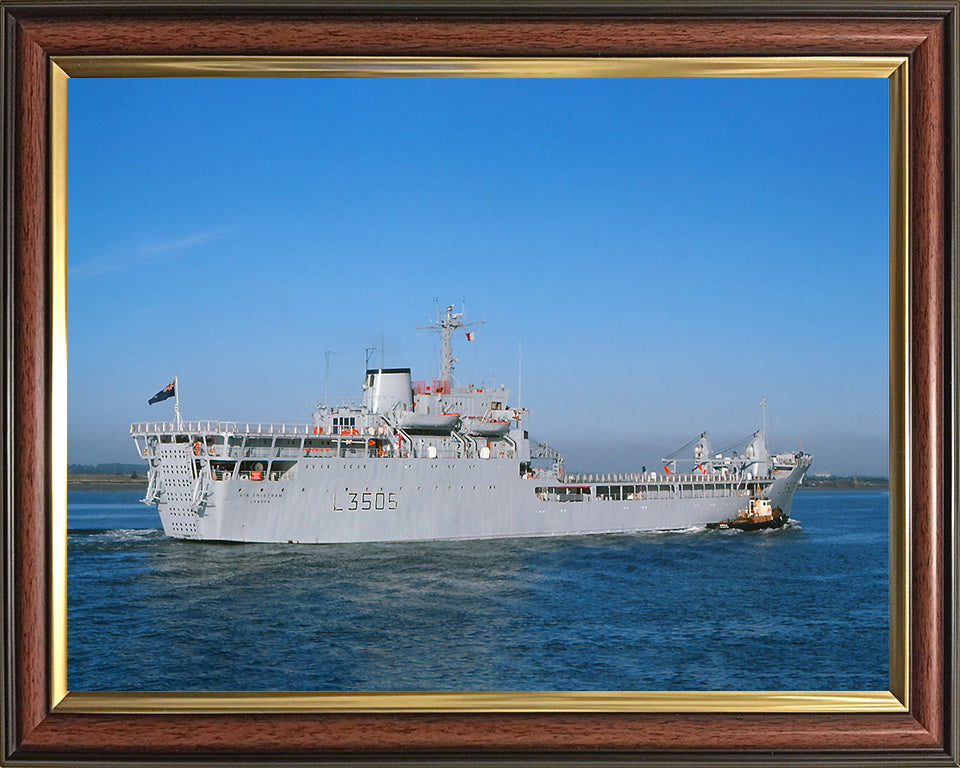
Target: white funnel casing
384,388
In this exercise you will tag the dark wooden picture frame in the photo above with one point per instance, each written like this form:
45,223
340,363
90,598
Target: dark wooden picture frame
34,33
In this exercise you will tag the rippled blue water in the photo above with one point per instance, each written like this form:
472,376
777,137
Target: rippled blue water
800,608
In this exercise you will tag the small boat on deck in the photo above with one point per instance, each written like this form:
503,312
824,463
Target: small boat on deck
436,422
483,427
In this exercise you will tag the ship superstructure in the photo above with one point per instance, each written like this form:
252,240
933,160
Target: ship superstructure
430,459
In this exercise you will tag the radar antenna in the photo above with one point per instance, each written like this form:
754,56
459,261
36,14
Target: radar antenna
326,375
445,326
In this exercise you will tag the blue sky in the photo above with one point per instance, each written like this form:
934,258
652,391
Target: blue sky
667,252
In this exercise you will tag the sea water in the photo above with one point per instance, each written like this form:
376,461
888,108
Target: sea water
801,608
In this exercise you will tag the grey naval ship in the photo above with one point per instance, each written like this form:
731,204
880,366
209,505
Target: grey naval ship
418,460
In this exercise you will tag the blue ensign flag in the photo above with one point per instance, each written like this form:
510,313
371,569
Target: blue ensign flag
163,394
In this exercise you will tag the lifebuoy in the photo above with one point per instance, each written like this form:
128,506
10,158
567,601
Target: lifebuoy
196,449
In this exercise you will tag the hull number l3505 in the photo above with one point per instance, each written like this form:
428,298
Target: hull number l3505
364,501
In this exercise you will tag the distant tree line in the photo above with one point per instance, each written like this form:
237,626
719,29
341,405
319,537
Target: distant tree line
844,483
104,469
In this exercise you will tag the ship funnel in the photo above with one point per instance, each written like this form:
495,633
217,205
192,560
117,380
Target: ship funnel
385,388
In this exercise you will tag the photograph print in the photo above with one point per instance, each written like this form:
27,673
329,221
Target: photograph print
529,384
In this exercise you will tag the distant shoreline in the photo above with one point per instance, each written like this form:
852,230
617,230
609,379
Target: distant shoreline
845,484
105,482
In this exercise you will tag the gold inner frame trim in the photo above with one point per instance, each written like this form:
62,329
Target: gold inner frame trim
58,389
480,701
899,387
433,66
895,700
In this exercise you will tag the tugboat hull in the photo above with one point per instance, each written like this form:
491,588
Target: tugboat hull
756,518
777,522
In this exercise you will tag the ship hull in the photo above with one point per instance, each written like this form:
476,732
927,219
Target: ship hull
395,499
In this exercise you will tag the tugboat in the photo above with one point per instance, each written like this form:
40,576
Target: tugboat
759,515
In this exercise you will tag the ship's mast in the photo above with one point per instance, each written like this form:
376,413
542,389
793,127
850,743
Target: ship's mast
176,401
763,418
445,326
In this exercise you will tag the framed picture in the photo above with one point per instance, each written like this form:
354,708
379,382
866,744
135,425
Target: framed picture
917,717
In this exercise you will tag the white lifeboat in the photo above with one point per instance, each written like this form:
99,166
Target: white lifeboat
435,422
477,425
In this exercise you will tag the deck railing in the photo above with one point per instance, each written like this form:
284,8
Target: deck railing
639,478
220,427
